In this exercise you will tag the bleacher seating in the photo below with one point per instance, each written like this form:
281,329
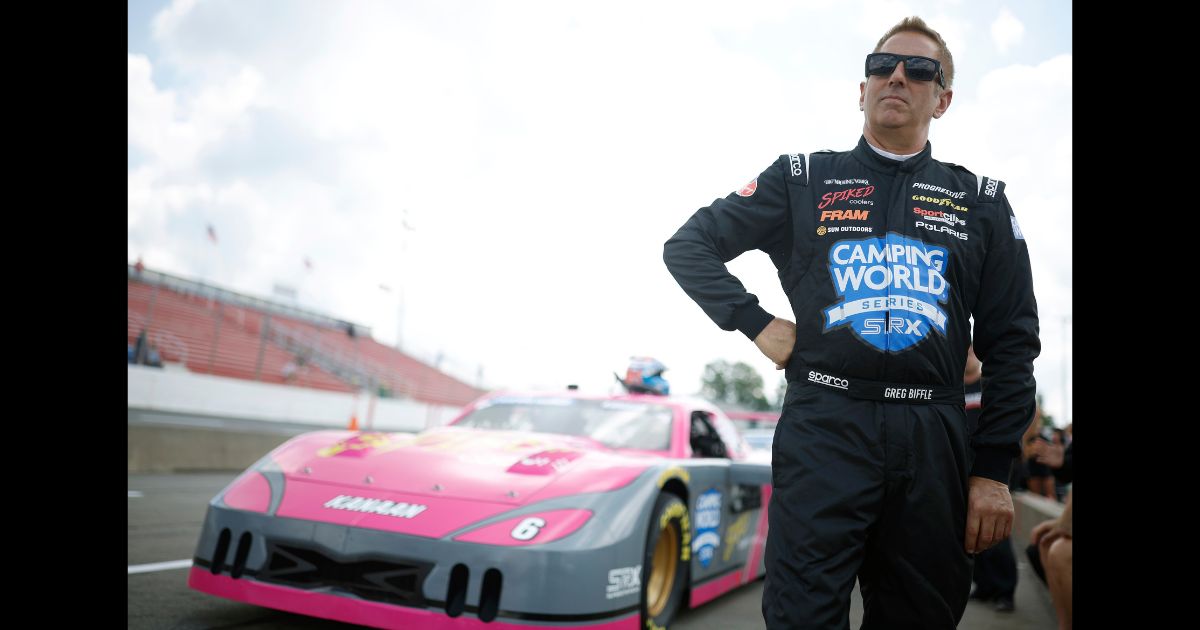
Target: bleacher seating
184,326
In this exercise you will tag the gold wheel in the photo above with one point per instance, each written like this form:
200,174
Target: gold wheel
662,572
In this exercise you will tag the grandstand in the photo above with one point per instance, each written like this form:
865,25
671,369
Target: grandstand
212,330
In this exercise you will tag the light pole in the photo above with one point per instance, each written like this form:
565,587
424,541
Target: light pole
404,267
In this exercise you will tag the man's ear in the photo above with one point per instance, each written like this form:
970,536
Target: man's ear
943,103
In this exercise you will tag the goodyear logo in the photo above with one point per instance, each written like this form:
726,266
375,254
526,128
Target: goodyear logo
677,472
890,289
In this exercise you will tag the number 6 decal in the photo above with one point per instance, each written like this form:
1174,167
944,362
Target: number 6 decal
528,528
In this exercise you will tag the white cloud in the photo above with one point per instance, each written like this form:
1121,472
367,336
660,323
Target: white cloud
1007,30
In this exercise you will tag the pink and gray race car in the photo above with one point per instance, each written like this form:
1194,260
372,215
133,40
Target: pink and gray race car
545,510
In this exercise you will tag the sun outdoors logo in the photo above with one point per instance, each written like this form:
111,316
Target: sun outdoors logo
749,189
890,288
708,521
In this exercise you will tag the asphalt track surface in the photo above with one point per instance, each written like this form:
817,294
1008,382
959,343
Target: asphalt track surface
166,512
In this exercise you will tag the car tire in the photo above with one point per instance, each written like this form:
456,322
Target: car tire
665,561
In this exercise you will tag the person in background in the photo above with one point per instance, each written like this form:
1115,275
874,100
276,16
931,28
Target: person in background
1053,541
153,359
1040,477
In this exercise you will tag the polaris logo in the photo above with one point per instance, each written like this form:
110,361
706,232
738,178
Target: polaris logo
374,506
825,379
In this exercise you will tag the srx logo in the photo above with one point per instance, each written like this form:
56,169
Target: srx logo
874,326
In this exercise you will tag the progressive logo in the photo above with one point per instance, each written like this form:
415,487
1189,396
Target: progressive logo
890,290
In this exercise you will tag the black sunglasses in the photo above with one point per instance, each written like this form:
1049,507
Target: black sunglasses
916,67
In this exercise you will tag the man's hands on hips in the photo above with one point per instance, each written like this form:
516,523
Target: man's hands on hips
777,340
989,513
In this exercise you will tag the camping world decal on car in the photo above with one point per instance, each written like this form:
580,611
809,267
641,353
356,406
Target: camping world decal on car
708,521
890,289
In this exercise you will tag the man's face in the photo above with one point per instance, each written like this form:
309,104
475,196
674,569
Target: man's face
897,102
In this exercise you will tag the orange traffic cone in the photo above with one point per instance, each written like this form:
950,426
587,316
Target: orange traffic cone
353,422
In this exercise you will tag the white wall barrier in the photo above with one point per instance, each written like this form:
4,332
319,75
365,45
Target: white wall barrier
177,390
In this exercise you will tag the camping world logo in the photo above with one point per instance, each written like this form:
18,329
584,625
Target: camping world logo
890,289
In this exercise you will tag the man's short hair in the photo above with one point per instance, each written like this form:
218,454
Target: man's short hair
915,24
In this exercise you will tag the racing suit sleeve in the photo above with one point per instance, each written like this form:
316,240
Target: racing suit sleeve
1006,341
718,233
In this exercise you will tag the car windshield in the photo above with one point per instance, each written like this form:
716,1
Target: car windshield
614,423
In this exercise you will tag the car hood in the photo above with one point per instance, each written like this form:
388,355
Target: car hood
506,467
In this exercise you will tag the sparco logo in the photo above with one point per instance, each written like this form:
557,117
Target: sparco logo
794,163
826,379
990,188
842,195
374,506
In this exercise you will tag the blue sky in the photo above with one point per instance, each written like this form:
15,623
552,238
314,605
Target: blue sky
542,152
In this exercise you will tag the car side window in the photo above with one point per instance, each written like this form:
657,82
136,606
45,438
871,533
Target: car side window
705,440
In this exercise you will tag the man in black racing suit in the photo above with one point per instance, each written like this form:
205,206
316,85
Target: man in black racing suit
885,254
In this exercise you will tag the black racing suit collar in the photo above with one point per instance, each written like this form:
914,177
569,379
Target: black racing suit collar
872,160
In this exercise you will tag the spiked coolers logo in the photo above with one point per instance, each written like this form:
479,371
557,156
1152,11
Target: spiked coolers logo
890,288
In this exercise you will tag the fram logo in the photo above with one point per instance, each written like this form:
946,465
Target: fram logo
842,195
845,215
890,289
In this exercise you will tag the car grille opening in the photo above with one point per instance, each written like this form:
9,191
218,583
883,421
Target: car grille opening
218,561
489,600
239,558
392,581
456,592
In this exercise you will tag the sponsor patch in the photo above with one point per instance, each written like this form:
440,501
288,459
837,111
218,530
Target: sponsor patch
943,229
734,534
842,228
939,189
1016,228
748,189
826,379
989,188
939,216
843,195
821,230
795,164
708,523
374,506
623,581
365,444
890,289
937,201
844,215
547,462
847,182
